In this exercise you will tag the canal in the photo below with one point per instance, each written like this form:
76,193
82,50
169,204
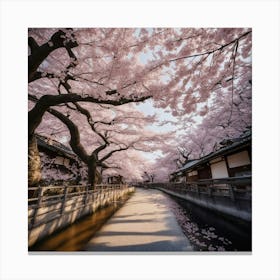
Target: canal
208,231
205,230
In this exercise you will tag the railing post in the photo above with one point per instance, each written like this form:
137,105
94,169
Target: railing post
231,192
64,199
197,189
40,197
86,195
209,190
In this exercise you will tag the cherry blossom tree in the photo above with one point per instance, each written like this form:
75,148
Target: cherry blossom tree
38,56
99,136
181,69
191,72
131,164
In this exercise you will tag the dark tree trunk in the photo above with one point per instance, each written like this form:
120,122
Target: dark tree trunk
34,163
94,177
91,173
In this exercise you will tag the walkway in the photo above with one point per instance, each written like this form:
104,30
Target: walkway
144,223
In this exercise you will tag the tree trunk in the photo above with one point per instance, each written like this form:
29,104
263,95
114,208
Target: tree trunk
34,163
94,177
92,172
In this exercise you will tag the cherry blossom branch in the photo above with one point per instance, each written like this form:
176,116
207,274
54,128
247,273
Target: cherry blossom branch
74,133
212,51
202,53
112,152
92,125
45,102
40,53
77,147
76,144
232,82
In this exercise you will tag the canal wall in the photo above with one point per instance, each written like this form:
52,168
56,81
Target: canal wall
233,205
52,213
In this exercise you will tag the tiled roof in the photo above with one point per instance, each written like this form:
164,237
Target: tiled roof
237,144
55,146
188,165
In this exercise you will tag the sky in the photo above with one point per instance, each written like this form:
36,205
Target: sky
148,108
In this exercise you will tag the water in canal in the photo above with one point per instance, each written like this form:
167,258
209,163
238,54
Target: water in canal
208,231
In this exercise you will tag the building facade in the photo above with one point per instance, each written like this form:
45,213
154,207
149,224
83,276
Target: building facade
59,163
233,159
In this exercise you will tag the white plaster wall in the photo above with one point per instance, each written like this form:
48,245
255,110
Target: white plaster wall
219,170
238,159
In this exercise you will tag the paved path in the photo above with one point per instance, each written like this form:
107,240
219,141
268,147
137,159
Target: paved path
144,223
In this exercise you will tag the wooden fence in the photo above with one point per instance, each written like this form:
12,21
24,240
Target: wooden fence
235,187
229,196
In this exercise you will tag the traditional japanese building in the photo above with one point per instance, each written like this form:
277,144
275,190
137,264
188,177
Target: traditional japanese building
232,159
58,162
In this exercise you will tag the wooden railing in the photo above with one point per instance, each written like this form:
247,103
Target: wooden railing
46,203
235,187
